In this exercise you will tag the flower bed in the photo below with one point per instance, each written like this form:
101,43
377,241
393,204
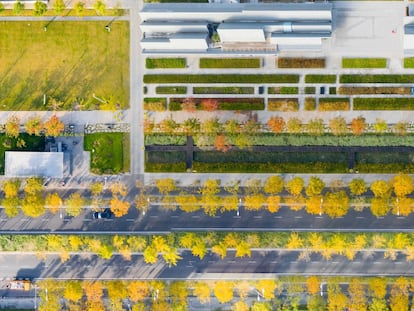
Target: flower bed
282,104
224,78
230,62
222,103
291,62
333,104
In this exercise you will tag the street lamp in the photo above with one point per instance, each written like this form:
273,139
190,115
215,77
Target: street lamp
398,208
238,207
320,207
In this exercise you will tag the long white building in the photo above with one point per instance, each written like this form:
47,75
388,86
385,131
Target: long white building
188,27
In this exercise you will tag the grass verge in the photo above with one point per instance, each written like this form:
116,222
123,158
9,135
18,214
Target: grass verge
364,63
230,63
320,78
384,103
226,78
164,63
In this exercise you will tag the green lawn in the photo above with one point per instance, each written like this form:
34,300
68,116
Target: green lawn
110,152
69,62
33,143
230,62
162,63
364,62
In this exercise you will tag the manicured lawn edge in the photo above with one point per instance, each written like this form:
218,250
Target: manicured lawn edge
230,63
320,78
380,78
171,90
165,63
295,62
223,90
226,78
363,103
364,62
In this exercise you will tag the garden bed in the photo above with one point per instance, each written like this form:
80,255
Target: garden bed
310,103
223,90
362,90
155,104
320,78
283,90
333,104
355,78
364,62
384,103
230,63
223,78
282,104
300,62
171,90
164,139
221,103
165,63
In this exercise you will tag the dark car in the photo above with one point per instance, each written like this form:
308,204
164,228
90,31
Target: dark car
105,214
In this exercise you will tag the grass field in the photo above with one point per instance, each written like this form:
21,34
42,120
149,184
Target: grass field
364,63
109,152
69,62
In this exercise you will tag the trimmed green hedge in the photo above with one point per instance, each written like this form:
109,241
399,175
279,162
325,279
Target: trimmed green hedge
385,168
223,90
164,139
293,62
376,78
364,62
384,103
164,156
283,90
223,103
270,167
163,63
165,167
320,78
409,62
217,78
171,90
362,90
310,90
230,62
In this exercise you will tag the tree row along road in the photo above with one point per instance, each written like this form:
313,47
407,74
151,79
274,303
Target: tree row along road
157,220
262,264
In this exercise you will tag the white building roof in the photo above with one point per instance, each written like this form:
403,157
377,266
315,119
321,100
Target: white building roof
177,42
28,164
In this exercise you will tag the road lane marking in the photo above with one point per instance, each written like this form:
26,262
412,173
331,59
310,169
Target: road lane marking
130,219
278,217
83,220
174,216
24,219
298,216
257,216
45,219
154,216
195,216
360,217
252,261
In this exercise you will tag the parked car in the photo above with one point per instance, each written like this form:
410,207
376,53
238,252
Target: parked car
322,90
105,214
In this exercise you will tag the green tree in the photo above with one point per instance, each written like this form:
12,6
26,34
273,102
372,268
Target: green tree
1,7
34,126
99,7
74,204
378,305
357,186
59,6
18,7
40,8
12,126
79,7
315,186
316,303
223,290
295,186
274,185
338,126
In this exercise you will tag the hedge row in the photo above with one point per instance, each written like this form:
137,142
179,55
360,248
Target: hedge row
223,90
376,78
163,63
385,168
223,103
217,78
164,139
171,90
301,62
155,104
230,62
283,104
320,78
310,103
333,104
364,62
270,167
409,62
361,90
384,103
165,167
283,90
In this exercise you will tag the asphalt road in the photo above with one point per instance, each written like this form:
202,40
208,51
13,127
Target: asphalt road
260,264
158,220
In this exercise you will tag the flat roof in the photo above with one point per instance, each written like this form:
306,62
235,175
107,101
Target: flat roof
28,164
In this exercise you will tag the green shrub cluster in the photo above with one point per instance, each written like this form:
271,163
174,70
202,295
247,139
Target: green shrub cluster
384,103
283,90
292,62
310,90
164,139
224,78
409,62
332,90
320,78
239,167
171,90
380,78
333,104
223,90
164,63
283,104
364,62
230,62
155,104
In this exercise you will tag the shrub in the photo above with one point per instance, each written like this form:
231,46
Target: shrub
276,124
294,125
310,90
358,125
223,78
283,90
222,103
171,90
230,62
338,126
333,104
315,127
332,90
320,78
364,62
310,103
155,104
300,62
165,167
39,8
174,106
409,62
283,104
163,63
18,7
164,139
384,103
223,90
